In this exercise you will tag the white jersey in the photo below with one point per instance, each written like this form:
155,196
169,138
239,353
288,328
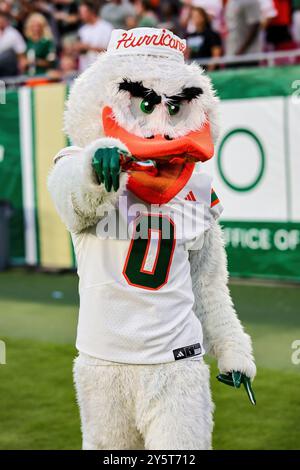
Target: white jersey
94,35
136,298
10,38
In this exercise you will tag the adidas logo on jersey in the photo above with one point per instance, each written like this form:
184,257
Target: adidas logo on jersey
187,351
190,196
180,354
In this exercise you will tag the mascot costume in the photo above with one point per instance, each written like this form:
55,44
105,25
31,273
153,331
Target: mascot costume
151,261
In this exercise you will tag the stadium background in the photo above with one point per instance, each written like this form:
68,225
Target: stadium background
256,171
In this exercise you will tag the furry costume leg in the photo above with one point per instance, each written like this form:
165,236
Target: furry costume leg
165,406
104,394
174,406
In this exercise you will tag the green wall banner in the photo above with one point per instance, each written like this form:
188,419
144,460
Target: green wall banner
256,171
30,136
11,170
263,249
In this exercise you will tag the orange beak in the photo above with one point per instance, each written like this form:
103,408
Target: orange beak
197,145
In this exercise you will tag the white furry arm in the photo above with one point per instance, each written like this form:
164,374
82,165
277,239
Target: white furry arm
224,336
78,197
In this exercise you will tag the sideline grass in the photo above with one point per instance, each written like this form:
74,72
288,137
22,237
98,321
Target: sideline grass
37,400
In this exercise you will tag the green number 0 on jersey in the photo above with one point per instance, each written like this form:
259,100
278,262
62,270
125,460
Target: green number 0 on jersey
138,271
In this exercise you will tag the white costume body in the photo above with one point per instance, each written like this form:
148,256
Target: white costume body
128,321
133,392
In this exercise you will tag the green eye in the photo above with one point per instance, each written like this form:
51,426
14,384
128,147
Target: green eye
173,109
147,107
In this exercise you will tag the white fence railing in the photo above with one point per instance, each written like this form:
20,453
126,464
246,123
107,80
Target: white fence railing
268,58
263,58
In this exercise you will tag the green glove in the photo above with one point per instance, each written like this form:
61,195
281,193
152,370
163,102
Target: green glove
106,164
235,379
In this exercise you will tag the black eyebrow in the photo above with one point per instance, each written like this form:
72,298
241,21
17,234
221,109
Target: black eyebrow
187,94
137,90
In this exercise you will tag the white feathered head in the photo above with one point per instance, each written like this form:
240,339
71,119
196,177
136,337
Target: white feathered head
143,93
180,95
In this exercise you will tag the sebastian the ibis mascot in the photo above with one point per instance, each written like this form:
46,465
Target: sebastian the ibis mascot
151,262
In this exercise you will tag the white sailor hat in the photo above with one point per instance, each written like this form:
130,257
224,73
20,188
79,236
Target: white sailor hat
147,41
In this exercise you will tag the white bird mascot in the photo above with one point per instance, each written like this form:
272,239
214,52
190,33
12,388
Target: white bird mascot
151,259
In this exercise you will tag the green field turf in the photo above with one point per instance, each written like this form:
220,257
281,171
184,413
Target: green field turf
37,402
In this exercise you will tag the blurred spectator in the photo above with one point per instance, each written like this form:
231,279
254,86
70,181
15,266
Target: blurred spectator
169,12
268,11
67,16
278,31
6,7
20,10
94,35
147,16
131,22
185,15
12,46
216,13
204,42
214,9
41,53
243,19
68,66
67,69
117,13
296,21
74,32
23,8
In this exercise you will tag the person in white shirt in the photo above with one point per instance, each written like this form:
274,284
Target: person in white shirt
10,38
12,48
243,20
94,35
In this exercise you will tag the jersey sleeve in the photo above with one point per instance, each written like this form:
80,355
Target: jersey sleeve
216,207
199,193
